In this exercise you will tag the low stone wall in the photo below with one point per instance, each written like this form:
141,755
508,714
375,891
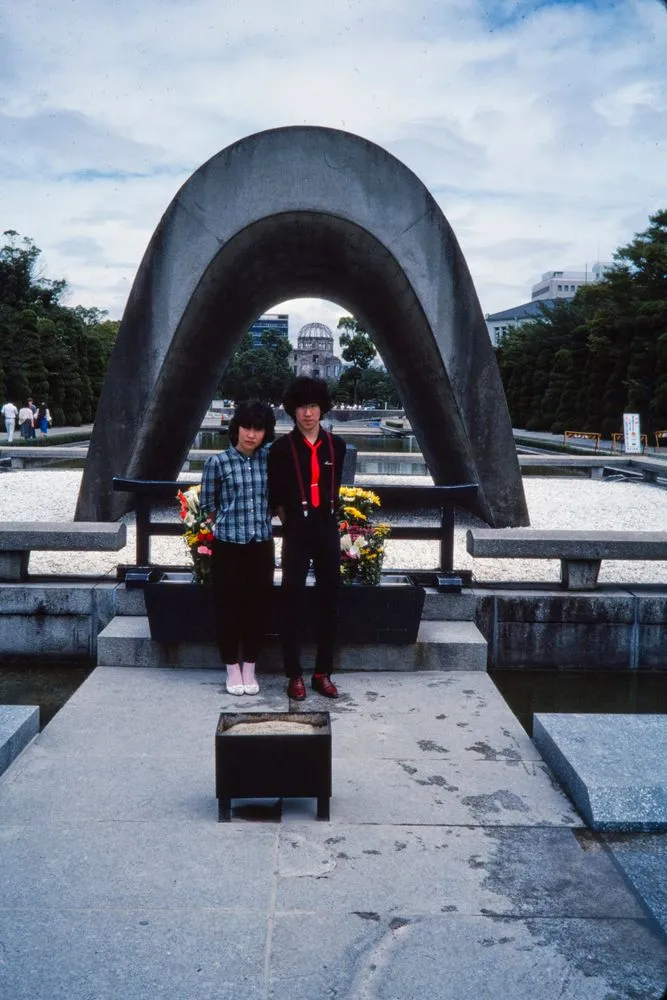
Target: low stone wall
610,628
57,620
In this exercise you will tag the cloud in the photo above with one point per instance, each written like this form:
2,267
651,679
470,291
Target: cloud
82,248
537,126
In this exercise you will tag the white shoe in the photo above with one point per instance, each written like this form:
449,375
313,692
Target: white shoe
234,688
251,688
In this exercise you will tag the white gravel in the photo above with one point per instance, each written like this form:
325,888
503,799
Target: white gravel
50,495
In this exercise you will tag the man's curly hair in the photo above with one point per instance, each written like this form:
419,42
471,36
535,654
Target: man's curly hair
303,390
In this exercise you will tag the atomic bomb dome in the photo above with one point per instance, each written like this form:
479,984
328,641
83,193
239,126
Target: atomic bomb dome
314,352
314,335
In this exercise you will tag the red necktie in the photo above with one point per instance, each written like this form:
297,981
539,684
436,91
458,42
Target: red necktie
314,473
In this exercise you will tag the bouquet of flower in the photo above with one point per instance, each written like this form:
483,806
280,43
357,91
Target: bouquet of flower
197,532
361,542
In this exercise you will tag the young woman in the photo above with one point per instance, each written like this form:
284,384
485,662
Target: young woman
43,419
235,495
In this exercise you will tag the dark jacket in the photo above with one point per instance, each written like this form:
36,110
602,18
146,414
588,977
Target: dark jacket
284,489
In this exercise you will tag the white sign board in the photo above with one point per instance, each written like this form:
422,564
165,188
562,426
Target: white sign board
632,434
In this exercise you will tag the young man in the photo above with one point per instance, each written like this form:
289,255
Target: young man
10,413
305,469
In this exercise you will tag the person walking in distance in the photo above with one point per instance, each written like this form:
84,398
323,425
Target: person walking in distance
234,494
26,422
42,419
33,406
305,469
10,413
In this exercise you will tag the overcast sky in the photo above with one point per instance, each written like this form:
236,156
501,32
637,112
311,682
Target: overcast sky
539,127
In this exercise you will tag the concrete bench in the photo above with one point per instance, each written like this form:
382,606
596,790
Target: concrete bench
580,552
19,538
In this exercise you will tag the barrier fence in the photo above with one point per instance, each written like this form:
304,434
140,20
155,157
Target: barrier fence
411,499
586,435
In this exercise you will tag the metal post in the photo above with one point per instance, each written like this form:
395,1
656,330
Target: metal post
143,529
447,539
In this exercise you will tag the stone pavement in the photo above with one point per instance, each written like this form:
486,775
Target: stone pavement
453,867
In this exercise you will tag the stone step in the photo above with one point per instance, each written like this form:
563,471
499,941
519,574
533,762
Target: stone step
449,607
440,645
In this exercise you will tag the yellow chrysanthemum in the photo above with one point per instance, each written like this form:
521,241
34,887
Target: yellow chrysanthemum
354,512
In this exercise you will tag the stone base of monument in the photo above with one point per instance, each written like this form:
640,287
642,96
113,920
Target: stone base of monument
613,767
273,755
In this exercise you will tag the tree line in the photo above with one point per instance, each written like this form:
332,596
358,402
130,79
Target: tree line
586,361
49,351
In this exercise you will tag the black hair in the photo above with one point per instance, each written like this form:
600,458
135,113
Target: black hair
303,390
252,413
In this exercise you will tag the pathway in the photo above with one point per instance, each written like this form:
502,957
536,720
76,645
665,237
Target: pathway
452,867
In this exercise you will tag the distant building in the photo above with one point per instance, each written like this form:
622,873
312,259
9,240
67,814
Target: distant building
500,323
269,321
553,285
565,284
314,353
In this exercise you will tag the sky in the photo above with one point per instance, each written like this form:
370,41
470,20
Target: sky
540,128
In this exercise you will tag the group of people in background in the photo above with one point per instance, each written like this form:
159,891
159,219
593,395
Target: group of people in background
28,419
298,479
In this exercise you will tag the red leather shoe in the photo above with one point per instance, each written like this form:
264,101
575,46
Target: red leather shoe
296,689
323,684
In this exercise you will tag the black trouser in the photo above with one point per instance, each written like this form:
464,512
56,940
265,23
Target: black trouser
242,589
316,539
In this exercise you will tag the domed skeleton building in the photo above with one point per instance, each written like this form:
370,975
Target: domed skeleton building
314,354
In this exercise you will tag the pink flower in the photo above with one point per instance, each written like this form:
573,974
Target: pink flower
203,550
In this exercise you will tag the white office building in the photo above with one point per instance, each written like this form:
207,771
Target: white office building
565,284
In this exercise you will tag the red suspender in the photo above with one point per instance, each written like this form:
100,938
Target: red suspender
299,477
332,501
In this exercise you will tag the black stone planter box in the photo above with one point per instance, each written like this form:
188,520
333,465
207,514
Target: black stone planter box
387,614
179,610
182,611
273,765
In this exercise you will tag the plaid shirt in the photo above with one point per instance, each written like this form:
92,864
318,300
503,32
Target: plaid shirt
234,488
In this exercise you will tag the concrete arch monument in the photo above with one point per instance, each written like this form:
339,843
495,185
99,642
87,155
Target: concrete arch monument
295,212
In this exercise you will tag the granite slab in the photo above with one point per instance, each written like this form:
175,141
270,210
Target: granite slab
613,767
18,725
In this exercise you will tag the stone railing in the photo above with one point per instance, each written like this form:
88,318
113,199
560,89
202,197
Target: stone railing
19,538
580,552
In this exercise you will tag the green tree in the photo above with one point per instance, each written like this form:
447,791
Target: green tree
378,386
258,371
340,393
587,361
358,348
47,350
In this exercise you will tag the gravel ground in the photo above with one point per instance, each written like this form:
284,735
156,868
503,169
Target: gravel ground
552,503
